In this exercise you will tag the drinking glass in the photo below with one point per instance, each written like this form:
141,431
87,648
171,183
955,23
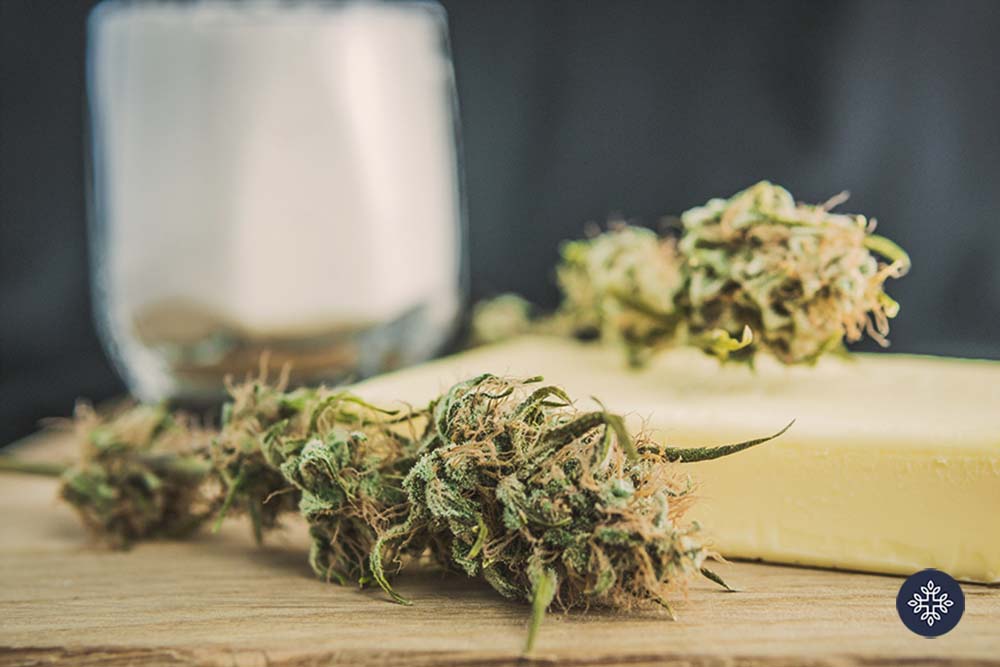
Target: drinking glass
278,177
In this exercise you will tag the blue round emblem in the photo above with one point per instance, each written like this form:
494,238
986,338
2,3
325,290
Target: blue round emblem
930,603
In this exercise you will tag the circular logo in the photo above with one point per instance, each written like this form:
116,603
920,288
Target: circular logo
930,603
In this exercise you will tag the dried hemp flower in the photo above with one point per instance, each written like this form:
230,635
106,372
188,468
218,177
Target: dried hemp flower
281,452
622,286
257,415
755,272
802,278
139,476
347,462
549,504
497,478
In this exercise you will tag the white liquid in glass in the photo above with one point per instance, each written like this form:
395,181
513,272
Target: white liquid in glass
275,176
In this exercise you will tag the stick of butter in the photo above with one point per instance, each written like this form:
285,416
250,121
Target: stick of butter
893,464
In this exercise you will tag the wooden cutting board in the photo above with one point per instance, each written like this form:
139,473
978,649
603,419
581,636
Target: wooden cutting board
221,600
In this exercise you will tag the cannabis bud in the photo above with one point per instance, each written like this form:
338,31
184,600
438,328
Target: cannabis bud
498,319
803,279
549,504
622,286
756,272
244,454
497,478
139,475
347,462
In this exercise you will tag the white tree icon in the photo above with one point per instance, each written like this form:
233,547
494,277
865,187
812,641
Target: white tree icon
930,602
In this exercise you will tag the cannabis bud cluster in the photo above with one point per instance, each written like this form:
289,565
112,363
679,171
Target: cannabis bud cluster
755,272
140,475
497,478
347,461
547,503
623,286
802,278
244,454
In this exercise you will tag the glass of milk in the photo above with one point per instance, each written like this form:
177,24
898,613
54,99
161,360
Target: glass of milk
272,179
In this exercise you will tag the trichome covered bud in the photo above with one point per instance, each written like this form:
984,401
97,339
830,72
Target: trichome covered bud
547,503
802,278
498,478
246,453
623,286
498,319
348,464
755,272
140,475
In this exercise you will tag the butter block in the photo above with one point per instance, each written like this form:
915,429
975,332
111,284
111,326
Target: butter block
892,466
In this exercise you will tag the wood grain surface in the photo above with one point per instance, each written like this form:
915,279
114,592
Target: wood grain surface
220,600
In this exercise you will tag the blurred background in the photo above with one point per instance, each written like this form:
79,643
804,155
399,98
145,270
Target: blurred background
571,112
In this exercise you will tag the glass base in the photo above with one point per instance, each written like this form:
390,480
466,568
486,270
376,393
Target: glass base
193,370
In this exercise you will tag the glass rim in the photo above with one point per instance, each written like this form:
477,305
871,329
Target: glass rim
241,12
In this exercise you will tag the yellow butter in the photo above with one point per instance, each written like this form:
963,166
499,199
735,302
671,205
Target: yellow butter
893,464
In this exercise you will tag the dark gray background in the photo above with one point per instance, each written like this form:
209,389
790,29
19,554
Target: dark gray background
575,110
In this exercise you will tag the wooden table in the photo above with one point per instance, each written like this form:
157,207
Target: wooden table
220,600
